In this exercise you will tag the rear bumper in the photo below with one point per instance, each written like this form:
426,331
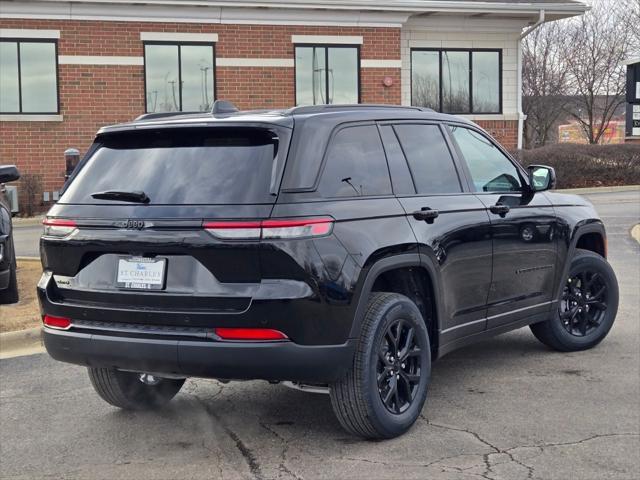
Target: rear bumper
202,358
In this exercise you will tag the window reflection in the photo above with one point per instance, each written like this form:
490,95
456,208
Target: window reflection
38,77
456,81
9,92
326,75
490,169
425,79
179,77
28,77
343,75
311,87
197,77
356,165
486,82
163,89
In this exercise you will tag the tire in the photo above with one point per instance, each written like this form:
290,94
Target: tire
357,398
584,333
10,294
125,389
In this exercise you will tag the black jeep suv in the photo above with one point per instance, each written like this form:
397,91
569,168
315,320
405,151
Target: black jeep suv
342,248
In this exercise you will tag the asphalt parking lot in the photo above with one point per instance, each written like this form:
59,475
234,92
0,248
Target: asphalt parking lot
507,408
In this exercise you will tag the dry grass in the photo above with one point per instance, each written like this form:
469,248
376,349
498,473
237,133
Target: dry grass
25,313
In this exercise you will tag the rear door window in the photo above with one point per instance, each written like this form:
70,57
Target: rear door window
181,166
429,159
355,165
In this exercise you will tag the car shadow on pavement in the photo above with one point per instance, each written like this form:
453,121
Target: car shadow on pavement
255,408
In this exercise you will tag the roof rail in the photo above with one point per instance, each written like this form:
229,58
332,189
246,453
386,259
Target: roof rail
154,115
342,107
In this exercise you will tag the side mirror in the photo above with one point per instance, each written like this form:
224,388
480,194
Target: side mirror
541,178
8,173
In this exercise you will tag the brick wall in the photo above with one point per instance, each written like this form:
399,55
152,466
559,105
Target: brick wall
92,96
505,131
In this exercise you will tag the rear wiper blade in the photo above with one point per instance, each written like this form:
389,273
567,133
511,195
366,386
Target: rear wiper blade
137,196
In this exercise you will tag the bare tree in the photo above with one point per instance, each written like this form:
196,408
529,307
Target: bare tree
32,184
631,18
544,82
597,46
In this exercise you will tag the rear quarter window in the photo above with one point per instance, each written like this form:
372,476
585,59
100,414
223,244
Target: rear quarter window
355,165
215,165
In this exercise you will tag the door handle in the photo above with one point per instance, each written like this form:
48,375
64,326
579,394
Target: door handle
426,214
499,209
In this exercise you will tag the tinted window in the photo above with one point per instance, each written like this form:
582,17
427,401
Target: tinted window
429,158
28,77
456,81
355,165
486,82
491,170
326,75
400,175
179,77
198,166
425,79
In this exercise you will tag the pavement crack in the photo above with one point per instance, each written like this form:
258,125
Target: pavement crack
542,446
283,455
486,457
246,452
510,452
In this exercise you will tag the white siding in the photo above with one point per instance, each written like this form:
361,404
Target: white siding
433,32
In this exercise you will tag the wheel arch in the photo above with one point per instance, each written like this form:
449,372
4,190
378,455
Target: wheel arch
588,236
380,272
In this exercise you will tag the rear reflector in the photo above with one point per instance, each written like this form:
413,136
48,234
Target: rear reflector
271,229
59,323
58,227
249,334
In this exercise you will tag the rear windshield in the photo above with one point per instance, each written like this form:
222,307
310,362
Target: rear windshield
180,166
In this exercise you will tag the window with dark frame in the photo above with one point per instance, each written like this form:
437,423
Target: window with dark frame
429,159
355,165
457,81
490,169
29,77
327,74
179,76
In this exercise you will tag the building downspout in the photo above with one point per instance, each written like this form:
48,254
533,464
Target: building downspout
521,116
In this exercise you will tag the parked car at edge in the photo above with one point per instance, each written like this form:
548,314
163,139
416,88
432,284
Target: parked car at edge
342,248
8,278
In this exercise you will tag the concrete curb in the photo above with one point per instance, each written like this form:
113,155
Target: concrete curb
582,191
26,222
635,233
28,259
21,342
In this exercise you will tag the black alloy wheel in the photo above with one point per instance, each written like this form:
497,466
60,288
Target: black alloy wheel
399,366
584,302
587,306
384,391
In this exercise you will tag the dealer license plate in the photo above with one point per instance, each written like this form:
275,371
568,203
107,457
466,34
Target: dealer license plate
139,273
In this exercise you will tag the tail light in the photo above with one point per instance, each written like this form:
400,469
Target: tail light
58,227
271,229
59,323
250,334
